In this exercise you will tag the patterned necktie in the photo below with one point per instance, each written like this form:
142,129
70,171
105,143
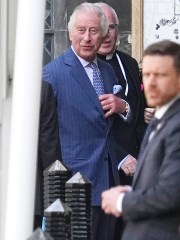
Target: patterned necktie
151,127
97,80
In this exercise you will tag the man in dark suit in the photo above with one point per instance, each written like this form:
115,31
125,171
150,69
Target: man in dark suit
152,208
86,118
49,145
127,134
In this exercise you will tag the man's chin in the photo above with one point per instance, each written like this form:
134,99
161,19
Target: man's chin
88,57
151,102
104,51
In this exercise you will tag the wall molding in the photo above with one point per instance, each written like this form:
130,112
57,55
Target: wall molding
137,29
3,48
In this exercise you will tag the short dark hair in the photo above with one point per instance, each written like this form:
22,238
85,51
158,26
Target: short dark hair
165,48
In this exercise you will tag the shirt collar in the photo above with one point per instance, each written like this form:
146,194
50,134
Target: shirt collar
162,110
83,61
109,56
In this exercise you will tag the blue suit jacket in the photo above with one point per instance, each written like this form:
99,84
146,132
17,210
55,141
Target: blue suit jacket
86,136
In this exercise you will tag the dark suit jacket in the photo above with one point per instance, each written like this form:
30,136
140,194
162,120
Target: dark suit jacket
86,136
152,210
49,144
129,134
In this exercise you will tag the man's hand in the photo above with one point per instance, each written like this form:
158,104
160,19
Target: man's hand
148,114
110,197
112,104
129,166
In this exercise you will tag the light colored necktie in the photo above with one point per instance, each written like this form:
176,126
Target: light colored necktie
97,80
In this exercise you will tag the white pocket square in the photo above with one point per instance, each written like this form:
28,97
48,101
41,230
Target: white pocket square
116,89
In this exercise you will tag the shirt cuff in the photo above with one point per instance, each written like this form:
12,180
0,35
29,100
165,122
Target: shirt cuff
127,114
119,202
124,159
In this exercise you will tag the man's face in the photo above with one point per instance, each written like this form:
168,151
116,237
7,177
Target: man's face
109,43
86,37
161,80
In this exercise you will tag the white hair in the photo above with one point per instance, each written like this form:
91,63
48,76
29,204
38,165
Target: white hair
102,4
90,7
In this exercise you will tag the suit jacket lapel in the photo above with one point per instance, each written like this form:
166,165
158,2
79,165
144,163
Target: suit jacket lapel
108,85
128,67
79,75
130,77
171,111
142,157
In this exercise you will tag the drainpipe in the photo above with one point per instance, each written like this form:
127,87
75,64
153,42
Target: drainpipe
25,118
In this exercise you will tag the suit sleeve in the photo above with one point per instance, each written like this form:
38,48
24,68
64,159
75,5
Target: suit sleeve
161,197
49,143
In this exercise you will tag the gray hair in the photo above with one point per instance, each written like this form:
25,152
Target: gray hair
102,4
90,7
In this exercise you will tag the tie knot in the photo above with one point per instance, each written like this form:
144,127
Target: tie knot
92,65
154,122
151,127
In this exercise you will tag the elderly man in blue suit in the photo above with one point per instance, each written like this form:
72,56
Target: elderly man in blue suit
83,86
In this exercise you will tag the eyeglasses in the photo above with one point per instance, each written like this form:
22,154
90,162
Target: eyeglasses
113,26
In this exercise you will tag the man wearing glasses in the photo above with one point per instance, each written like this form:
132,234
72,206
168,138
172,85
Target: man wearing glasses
127,134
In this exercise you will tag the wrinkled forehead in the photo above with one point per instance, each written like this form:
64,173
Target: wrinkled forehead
87,16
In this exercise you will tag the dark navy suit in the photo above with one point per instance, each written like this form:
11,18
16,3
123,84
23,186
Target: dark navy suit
128,134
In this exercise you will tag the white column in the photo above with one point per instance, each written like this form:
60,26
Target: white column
25,118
